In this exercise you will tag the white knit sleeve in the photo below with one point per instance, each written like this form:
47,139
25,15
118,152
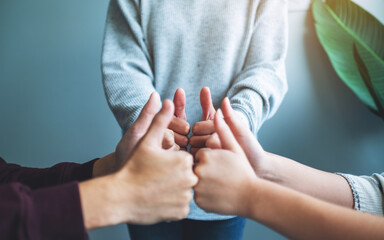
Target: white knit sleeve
367,192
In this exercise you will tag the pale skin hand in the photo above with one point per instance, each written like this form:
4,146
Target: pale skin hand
293,214
128,195
224,175
179,125
202,130
326,186
128,142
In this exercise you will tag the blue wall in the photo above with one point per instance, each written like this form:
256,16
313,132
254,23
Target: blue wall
52,105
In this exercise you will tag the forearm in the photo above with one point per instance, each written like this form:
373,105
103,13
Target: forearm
323,185
261,86
47,213
45,177
126,68
299,216
101,202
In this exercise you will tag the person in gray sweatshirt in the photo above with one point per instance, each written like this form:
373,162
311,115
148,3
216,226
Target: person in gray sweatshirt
235,48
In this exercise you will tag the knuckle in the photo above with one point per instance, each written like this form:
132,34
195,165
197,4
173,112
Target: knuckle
184,211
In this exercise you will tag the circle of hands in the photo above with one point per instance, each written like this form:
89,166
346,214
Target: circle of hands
222,147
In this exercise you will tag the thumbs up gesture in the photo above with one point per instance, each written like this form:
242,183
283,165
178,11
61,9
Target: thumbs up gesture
224,173
179,125
202,130
160,180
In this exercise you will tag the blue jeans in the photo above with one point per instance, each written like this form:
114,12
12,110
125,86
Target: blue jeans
231,229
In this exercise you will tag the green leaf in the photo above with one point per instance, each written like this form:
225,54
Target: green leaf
341,24
367,80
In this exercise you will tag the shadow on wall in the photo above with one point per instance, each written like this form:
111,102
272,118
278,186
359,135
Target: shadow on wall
333,96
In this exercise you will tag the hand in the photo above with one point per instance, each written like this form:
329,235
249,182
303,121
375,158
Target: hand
179,125
245,138
203,129
154,185
128,142
225,175
137,130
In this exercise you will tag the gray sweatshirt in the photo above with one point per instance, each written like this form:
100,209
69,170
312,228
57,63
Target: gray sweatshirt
236,48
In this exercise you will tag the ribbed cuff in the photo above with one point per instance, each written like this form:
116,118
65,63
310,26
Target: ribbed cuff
56,213
366,193
242,113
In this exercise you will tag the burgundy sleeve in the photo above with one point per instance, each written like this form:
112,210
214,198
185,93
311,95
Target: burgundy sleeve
48,213
45,177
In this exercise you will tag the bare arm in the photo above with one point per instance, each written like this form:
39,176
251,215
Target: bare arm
323,185
299,216
327,186
293,214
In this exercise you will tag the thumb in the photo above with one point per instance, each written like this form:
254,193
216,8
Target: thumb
147,113
159,125
206,104
241,132
179,101
228,141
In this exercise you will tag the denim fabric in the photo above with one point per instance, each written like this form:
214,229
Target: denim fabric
230,229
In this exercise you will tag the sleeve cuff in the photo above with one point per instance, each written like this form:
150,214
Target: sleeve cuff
83,171
56,213
366,193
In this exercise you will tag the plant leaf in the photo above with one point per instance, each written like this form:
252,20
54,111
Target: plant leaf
340,24
365,75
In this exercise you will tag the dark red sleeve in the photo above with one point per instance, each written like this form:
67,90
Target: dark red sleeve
48,213
45,177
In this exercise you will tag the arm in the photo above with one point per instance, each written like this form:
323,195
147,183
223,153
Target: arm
48,213
300,216
368,192
126,63
293,214
326,186
258,90
38,178
127,70
67,211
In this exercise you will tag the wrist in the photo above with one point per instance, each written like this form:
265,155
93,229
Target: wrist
248,195
105,166
269,168
103,200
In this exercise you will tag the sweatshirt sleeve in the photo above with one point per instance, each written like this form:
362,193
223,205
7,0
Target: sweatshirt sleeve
126,66
48,213
45,177
258,90
367,192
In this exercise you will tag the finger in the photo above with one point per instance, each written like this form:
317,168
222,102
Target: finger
228,141
241,132
193,151
181,140
176,147
198,141
213,142
203,128
148,112
168,139
180,126
206,104
159,124
179,100
201,154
